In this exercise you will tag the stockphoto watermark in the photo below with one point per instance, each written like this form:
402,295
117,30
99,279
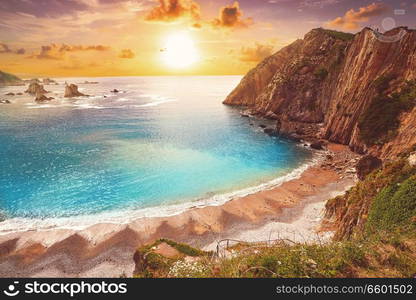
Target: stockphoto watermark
63,288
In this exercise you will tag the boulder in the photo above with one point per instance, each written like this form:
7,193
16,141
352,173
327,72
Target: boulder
318,145
366,165
271,115
262,126
47,81
5,101
158,259
115,91
10,94
271,131
71,90
35,88
42,98
412,159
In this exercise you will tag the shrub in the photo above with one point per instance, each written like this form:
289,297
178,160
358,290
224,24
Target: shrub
379,123
393,206
340,35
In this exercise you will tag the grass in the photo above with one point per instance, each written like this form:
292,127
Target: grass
339,34
384,254
379,123
394,206
153,264
370,198
184,248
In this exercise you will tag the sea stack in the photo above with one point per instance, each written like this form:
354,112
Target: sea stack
48,81
71,90
40,97
35,88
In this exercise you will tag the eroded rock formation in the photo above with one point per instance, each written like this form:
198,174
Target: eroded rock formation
324,85
35,88
71,90
40,97
48,81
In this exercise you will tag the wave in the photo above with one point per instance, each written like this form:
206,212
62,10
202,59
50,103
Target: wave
156,103
89,103
126,216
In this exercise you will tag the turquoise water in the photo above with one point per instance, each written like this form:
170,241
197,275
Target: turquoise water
161,141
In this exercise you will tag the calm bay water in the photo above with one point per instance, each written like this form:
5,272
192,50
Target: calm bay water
160,141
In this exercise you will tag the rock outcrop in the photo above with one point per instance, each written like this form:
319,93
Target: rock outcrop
412,159
71,91
35,88
48,81
9,79
40,97
324,85
366,165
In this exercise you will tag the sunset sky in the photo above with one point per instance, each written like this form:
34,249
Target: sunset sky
171,37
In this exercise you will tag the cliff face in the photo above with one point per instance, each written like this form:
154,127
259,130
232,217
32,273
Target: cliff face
324,85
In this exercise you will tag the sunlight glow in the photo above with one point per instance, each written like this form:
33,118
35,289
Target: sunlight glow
179,51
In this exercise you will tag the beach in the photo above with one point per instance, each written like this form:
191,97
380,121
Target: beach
292,209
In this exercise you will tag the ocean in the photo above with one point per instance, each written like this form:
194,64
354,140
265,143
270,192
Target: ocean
160,145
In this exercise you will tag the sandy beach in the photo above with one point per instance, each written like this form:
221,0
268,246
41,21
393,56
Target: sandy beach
292,209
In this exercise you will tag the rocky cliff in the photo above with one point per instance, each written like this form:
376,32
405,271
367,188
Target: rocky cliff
356,90
9,79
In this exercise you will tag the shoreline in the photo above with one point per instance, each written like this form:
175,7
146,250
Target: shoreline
106,249
21,224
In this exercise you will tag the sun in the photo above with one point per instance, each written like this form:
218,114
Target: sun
179,51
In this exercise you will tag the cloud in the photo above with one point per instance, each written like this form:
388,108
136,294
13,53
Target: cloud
20,51
4,48
256,53
173,10
352,18
44,8
126,53
57,52
314,3
230,16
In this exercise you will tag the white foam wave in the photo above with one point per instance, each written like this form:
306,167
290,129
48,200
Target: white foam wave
127,216
156,103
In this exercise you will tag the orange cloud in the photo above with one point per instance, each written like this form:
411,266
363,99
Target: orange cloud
4,48
256,53
352,18
57,52
126,53
173,10
230,16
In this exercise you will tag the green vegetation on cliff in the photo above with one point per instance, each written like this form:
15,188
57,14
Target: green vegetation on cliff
379,123
345,36
394,206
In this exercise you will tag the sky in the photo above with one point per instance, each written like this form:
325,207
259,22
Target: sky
171,37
